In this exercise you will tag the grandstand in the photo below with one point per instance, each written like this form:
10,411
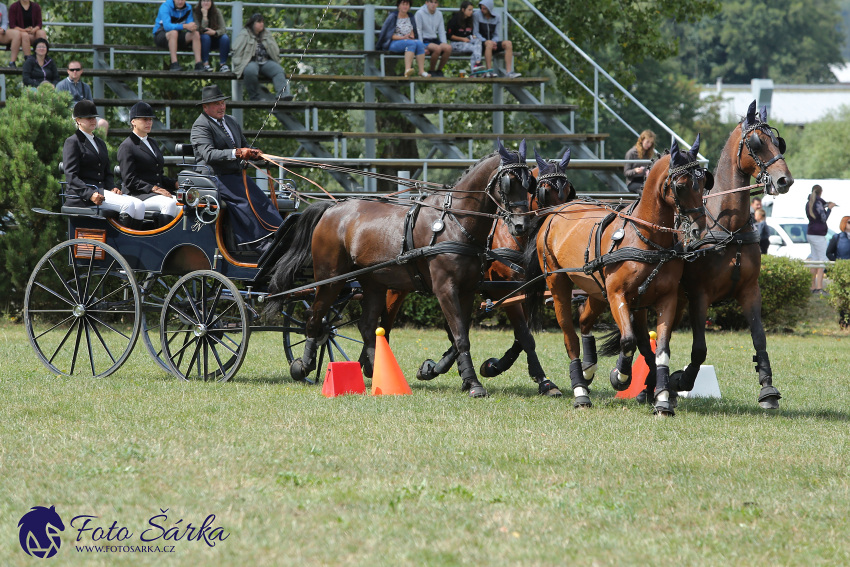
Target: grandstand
121,73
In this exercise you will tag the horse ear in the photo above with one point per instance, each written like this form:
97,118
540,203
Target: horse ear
506,155
53,508
674,148
694,149
541,163
522,150
566,159
751,114
763,113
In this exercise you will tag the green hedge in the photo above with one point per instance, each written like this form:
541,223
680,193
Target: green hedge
785,290
839,290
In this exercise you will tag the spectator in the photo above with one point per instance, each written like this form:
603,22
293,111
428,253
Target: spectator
839,245
488,26
461,34
25,18
644,148
79,90
399,35
142,167
256,53
817,211
433,31
40,68
755,205
176,29
89,174
211,27
762,230
12,37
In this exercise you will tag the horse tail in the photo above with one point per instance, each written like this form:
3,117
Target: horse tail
610,344
299,254
534,292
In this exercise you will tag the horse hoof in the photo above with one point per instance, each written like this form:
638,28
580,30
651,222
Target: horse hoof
476,390
614,378
582,402
548,388
589,370
641,398
297,370
426,371
490,368
663,409
769,398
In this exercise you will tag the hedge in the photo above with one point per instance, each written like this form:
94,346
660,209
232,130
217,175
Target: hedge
839,290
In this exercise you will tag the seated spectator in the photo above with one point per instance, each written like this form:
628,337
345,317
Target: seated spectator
399,35
40,68
256,53
25,18
176,29
644,148
12,37
211,27
143,167
762,230
488,26
79,90
89,173
429,19
461,34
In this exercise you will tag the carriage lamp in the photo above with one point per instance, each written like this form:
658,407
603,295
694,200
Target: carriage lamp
189,197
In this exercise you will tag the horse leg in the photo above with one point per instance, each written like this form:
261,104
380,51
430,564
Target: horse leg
683,380
587,318
314,327
562,293
664,394
458,312
492,367
394,300
373,305
645,347
621,375
430,369
750,300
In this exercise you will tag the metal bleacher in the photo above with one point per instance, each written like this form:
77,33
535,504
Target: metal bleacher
299,119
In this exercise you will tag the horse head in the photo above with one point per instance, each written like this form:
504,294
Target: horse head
763,157
553,187
684,186
514,182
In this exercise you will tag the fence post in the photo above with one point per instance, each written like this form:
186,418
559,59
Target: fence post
98,37
505,20
236,85
369,88
235,19
596,105
498,116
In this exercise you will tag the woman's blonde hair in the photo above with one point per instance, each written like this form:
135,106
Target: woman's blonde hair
812,198
645,135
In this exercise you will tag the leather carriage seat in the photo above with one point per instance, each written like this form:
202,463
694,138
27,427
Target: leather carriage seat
92,211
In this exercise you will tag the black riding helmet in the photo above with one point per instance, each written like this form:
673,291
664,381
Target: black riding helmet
141,110
85,109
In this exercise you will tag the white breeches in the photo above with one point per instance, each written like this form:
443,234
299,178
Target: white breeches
123,204
162,204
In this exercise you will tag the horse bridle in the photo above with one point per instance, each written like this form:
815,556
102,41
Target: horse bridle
503,177
697,172
543,179
747,140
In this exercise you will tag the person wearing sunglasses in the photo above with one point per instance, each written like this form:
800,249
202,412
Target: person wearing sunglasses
79,90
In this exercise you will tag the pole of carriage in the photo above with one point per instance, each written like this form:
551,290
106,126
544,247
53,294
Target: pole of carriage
98,37
235,85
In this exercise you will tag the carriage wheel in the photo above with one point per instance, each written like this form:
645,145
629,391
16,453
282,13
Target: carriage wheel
341,343
82,309
204,327
154,289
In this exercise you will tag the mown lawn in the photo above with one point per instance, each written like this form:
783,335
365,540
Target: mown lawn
437,478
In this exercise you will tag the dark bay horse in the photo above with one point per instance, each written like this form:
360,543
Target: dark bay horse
436,244
626,260
752,150
553,188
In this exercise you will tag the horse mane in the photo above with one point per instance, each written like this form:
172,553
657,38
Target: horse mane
473,166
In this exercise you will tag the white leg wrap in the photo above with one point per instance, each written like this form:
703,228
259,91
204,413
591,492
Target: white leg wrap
662,359
622,377
590,373
580,391
663,396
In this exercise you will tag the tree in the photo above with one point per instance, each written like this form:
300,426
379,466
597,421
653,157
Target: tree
32,129
822,149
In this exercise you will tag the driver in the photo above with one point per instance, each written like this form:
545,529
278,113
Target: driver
219,143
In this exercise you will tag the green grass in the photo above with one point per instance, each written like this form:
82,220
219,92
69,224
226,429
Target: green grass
437,478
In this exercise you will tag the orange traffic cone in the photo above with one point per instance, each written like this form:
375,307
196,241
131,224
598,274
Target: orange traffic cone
387,378
639,373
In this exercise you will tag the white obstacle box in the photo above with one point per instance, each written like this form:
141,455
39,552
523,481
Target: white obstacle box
706,385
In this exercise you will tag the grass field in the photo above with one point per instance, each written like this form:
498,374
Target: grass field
437,478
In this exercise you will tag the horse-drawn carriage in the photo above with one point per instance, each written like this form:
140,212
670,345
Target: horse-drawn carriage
187,288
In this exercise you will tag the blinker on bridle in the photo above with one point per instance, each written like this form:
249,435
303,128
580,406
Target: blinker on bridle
750,139
697,172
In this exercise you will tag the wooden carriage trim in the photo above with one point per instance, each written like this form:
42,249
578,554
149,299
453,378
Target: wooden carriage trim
219,227
126,230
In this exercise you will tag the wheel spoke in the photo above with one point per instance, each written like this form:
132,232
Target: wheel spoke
76,276
61,279
110,294
216,339
53,327
182,351
220,315
228,337
180,331
206,357
347,323
218,360
321,361
76,348
342,352
179,311
198,318
185,344
107,311
65,338
298,343
100,338
349,338
88,278
110,327
103,278
214,304
203,316
88,344
194,357
48,290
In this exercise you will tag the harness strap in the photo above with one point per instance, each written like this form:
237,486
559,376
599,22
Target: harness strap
407,245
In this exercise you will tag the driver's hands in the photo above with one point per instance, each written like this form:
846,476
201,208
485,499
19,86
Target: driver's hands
97,198
248,153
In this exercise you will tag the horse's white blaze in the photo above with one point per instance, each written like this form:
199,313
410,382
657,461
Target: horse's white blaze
662,359
579,391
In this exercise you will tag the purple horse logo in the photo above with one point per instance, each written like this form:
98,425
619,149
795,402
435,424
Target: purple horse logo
39,532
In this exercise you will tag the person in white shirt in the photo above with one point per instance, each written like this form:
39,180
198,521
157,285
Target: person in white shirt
432,30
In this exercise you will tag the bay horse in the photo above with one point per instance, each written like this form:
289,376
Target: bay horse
435,244
553,188
732,271
628,265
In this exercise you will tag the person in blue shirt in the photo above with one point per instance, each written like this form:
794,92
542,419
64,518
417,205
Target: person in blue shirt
400,35
175,28
488,26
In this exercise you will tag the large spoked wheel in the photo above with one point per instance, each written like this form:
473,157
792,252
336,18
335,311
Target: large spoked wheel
154,289
338,333
82,309
204,327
